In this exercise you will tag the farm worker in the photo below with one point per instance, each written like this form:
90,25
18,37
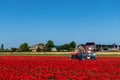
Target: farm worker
83,55
88,56
92,56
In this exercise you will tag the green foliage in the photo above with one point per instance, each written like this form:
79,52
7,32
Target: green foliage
24,47
64,47
38,49
72,46
14,49
2,47
41,47
41,44
49,45
67,47
105,48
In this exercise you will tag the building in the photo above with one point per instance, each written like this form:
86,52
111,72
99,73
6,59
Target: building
103,47
100,47
36,47
90,46
54,49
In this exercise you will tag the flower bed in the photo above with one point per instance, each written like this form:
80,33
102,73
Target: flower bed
58,68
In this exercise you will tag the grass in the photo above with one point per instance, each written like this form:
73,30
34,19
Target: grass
30,54
50,54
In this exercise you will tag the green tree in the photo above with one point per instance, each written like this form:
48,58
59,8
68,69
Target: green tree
38,49
41,44
105,48
24,47
72,45
49,45
64,47
41,47
2,47
13,49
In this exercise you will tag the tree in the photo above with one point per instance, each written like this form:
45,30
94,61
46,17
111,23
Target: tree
14,49
41,44
24,47
72,45
38,49
64,47
41,47
2,47
105,48
49,45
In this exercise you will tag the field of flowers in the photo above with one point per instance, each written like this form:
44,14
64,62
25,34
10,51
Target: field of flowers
58,68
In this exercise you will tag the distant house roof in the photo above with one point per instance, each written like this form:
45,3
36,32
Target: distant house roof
109,46
90,43
82,44
81,48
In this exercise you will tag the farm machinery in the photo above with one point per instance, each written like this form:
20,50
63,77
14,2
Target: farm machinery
83,54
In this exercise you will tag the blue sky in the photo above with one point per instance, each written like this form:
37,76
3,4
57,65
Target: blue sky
62,21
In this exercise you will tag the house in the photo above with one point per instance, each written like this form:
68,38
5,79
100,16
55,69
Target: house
54,49
100,47
81,48
112,47
37,47
90,46
87,46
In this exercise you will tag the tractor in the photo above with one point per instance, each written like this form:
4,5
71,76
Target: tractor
83,54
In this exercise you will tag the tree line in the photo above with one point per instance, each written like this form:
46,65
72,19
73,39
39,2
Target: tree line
24,47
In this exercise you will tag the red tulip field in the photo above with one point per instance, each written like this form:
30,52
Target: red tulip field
58,68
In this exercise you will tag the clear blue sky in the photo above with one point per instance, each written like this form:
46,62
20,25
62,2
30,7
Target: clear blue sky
62,21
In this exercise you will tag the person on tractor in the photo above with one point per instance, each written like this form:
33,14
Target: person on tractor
84,55
91,55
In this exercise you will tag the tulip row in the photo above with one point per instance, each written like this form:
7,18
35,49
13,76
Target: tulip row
58,68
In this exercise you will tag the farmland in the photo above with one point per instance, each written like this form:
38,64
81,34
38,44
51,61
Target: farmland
58,68
53,53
